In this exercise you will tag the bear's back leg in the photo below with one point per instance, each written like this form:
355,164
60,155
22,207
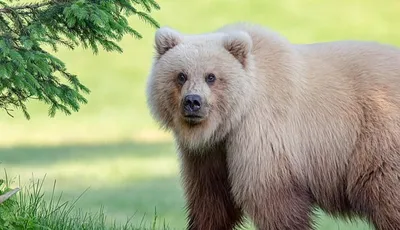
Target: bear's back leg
374,173
375,193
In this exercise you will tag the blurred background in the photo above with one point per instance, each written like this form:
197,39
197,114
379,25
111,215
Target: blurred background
114,148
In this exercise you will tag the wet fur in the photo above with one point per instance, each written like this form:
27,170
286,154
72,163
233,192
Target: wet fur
291,127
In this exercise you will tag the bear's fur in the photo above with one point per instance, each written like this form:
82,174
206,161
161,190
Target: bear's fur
284,127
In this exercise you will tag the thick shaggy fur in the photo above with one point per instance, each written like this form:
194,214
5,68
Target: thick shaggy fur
287,127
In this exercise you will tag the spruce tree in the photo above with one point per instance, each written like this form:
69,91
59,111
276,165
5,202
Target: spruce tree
29,72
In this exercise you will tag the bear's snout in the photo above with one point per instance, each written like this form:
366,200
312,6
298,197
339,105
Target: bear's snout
192,104
194,110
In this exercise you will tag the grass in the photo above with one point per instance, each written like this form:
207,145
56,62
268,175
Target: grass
134,184
114,148
30,210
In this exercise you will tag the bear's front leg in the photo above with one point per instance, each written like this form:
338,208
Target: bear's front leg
265,185
210,205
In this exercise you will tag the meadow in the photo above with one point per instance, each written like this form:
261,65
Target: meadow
112,145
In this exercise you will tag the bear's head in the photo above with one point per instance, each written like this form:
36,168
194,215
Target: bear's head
199,84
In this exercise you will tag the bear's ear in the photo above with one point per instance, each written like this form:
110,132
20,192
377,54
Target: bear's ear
239,44
165,39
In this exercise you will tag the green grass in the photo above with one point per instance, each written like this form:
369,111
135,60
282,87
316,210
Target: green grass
127,178
114,148
30,209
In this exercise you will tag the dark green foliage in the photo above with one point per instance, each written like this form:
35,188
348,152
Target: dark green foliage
28,71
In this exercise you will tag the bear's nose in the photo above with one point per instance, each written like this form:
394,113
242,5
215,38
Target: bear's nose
192,103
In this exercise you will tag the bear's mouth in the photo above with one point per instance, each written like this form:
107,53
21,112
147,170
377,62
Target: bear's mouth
193,119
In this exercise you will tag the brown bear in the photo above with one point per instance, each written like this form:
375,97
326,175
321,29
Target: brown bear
271,129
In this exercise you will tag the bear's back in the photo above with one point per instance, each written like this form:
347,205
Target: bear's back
369,64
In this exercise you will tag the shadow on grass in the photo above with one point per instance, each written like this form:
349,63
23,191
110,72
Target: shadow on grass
53,154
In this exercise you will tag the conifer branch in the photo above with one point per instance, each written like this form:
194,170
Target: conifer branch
31,6
27,71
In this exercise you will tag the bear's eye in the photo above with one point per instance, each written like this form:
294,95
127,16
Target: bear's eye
210,78
182,78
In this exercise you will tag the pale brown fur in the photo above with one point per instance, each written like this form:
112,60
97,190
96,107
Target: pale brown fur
288,126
